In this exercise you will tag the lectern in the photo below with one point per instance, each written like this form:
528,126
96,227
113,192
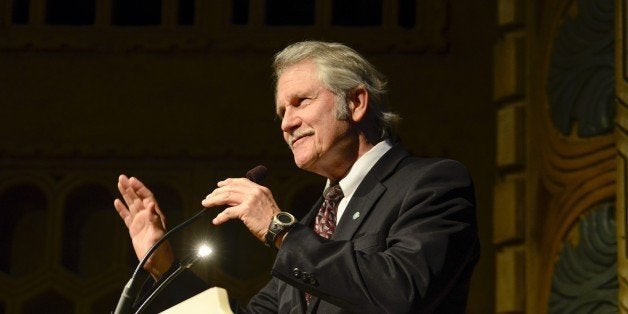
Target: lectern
212,300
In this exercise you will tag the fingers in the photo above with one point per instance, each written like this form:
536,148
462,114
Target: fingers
128,193
140,189
223,196
161,215
226,215
236,182
244,197
123,211
136,195
124,183
153,217
230,192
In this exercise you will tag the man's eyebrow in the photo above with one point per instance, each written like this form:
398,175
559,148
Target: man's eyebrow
279,110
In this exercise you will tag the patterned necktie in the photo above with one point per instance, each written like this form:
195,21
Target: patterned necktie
325,223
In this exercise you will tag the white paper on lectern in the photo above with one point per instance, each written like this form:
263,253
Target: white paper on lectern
212,300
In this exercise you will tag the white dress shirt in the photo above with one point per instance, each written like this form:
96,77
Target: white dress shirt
356,174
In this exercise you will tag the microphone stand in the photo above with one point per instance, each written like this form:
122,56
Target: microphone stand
131,289
164,283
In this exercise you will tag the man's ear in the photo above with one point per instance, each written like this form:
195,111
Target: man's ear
358,104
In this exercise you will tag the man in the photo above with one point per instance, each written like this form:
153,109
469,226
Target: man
398,234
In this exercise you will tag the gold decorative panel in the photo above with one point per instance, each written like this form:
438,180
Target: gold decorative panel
621,130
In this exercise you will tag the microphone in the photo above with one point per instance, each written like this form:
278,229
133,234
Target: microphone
257,174
131,289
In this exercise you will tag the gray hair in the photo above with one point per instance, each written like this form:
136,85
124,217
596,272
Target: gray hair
341,69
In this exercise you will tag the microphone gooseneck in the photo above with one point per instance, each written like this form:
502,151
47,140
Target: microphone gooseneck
131,289
166,281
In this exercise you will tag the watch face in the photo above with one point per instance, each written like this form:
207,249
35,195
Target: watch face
284,218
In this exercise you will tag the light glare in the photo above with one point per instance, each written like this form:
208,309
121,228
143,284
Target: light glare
204,251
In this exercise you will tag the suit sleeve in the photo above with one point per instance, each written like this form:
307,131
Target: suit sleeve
414,252
265,301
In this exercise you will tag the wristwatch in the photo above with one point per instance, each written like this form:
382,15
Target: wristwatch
282,221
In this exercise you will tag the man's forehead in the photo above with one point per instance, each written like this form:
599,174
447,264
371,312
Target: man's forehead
296,78
301,68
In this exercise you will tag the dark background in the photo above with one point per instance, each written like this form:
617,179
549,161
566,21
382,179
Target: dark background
179,93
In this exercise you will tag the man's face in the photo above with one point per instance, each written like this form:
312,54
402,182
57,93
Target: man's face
319,141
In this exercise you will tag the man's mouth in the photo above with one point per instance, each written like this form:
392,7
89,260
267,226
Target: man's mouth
297,139
299,135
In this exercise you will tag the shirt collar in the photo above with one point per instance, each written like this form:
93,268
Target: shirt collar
361,167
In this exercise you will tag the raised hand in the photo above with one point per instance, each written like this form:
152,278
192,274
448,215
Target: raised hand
250,202
146,223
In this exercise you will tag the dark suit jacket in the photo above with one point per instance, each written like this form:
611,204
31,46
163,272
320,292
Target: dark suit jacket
407,243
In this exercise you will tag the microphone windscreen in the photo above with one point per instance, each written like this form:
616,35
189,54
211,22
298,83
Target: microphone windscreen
257,174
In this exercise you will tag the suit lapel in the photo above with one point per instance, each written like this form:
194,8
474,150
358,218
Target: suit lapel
356,211
367,194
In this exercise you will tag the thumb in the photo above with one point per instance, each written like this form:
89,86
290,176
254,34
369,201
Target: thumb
153,217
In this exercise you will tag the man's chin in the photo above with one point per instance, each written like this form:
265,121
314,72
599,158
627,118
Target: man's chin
303,164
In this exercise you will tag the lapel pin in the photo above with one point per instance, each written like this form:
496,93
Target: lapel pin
356,215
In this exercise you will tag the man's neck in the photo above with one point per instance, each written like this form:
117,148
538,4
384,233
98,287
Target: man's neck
363,146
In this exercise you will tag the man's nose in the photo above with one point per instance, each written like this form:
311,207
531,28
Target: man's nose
290,120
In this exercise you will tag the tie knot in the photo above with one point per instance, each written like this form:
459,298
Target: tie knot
333,193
